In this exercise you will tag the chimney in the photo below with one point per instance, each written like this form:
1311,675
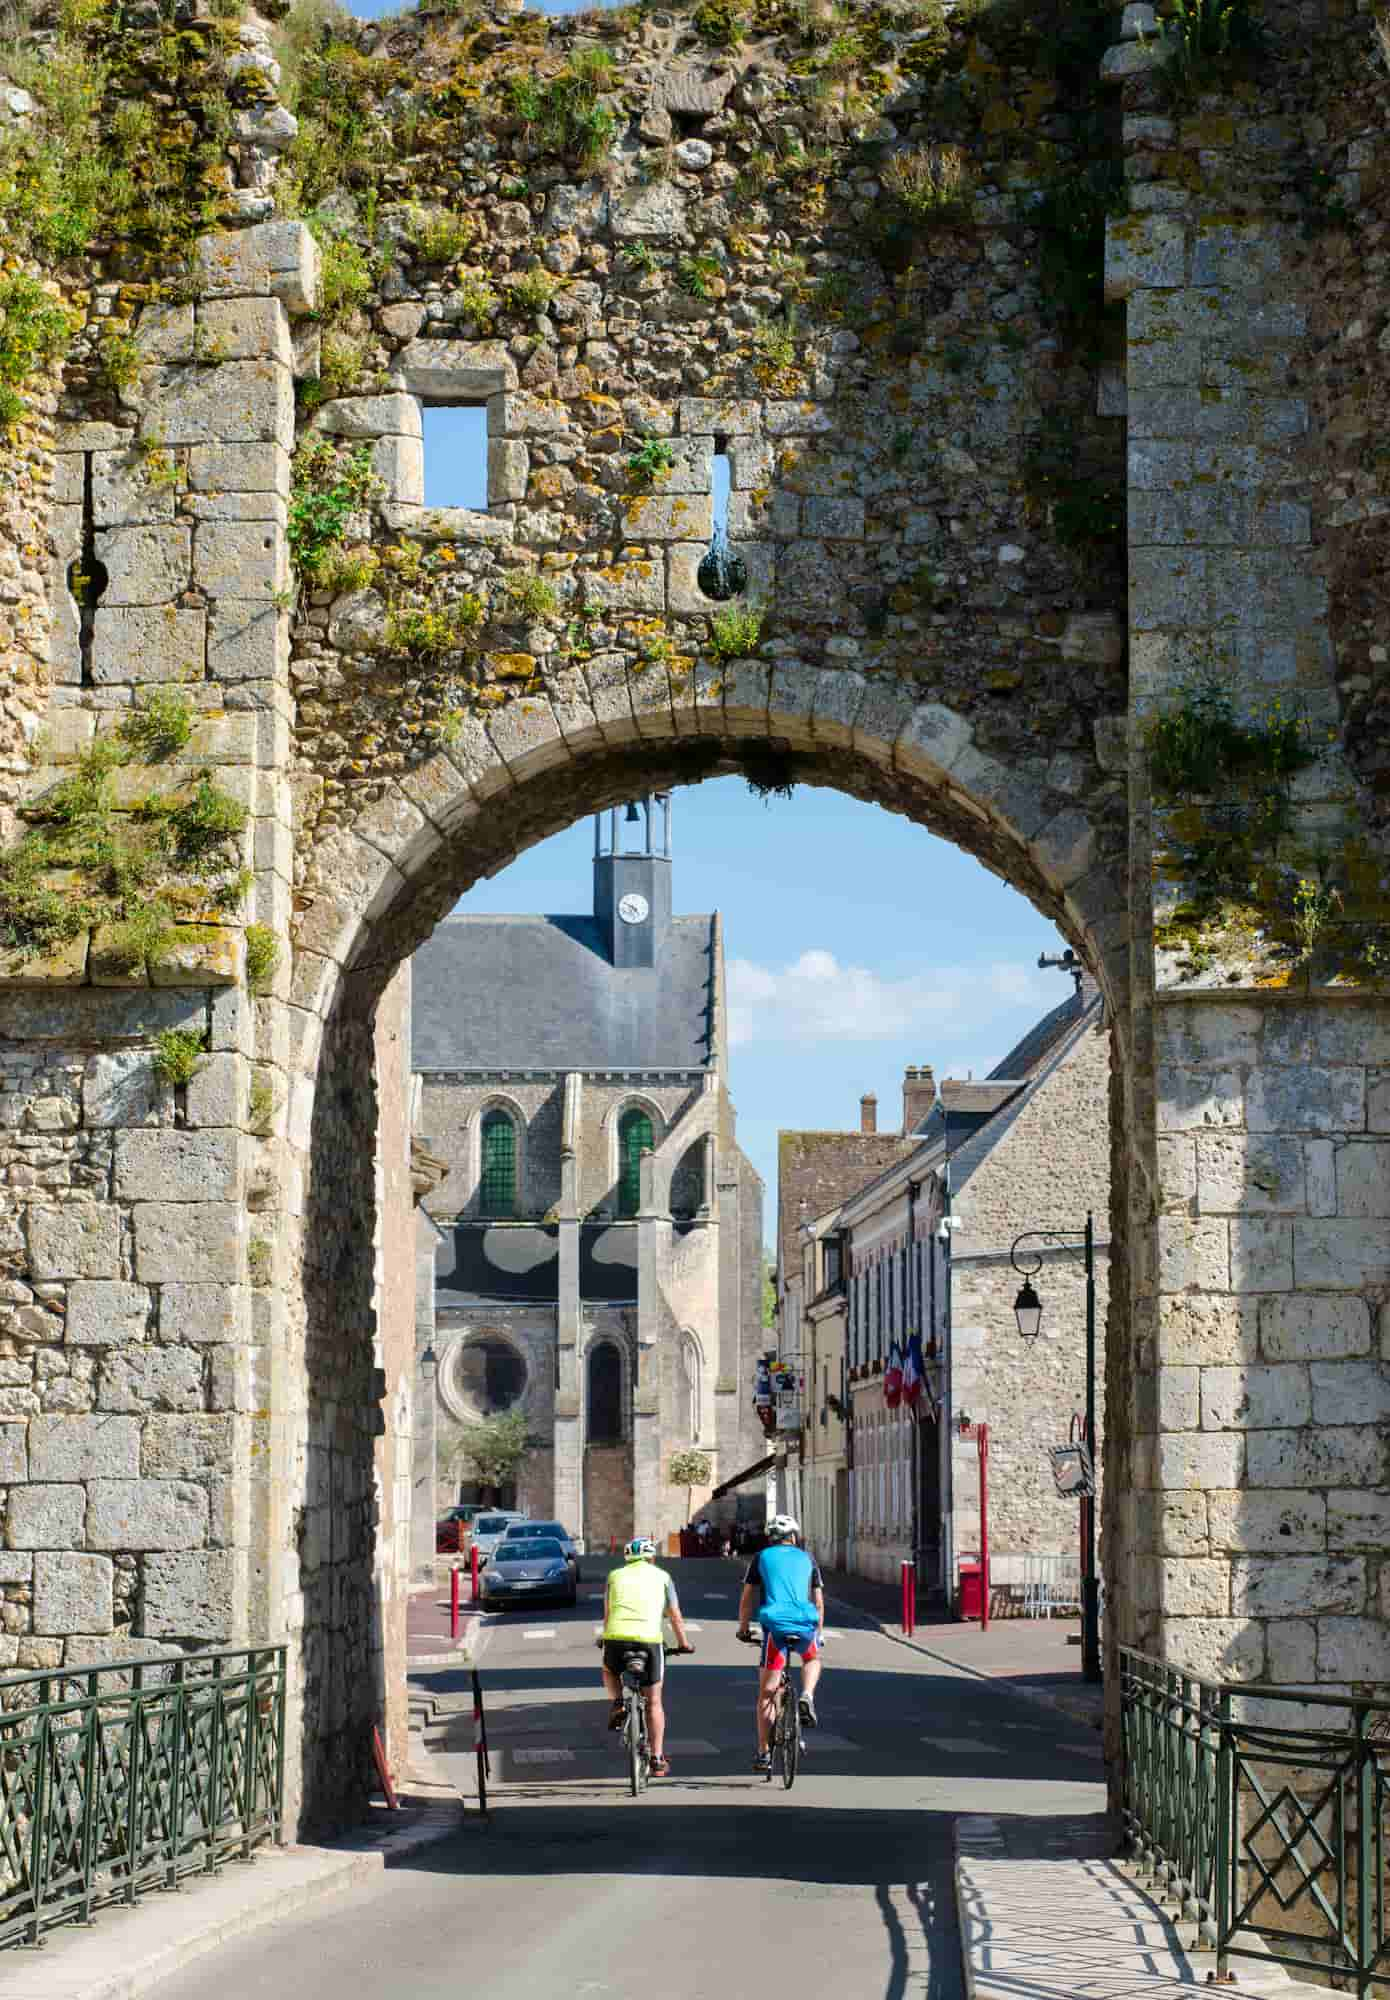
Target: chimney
868,1112
919,1094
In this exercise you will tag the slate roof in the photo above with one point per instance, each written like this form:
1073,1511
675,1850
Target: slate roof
971,1136
540,993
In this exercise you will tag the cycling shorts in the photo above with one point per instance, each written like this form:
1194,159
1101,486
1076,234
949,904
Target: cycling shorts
615,1652
778,1645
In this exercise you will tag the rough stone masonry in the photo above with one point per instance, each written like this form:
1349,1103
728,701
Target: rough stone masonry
676,242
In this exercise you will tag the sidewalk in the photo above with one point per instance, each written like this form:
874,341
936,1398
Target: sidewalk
429,1641
1039,1658
1045,1914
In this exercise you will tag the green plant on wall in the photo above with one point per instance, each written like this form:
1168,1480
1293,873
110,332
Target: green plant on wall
34,328
329,486
689,1469
177,1052
1208,42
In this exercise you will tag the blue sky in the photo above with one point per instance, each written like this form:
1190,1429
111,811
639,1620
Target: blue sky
855,943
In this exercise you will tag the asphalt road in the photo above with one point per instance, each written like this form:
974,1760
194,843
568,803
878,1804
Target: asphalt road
711,1886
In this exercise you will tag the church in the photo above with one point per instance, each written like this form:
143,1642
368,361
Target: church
596,1231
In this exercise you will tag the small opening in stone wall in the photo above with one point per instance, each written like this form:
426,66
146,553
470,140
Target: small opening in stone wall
689,124
455,455
721,574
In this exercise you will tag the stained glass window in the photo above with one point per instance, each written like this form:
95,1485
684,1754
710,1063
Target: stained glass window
497,1188
634,1138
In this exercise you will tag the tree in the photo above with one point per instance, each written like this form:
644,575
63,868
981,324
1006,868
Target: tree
688,1469
495,1447
769,1293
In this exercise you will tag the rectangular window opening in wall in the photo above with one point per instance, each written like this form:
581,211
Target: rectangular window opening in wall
455,437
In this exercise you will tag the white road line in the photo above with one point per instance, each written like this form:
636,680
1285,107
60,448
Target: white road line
693,1746
540,1632
971,1745
542,1756
717,1595
822,1739
693,1628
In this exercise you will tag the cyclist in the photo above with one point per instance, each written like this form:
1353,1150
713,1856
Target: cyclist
783,1586
639,1596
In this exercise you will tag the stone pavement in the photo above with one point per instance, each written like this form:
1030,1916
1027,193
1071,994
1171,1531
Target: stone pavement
1036,1657
429,1638
1046,1914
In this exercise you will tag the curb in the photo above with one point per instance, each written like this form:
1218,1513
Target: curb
1039,1696
166,1932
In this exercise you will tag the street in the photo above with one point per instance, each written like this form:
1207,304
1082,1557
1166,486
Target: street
713,1884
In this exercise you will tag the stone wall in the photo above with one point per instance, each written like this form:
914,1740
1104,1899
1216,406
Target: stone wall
607,1496
190,1346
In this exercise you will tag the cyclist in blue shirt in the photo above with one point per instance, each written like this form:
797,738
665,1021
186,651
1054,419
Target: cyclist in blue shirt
783,1586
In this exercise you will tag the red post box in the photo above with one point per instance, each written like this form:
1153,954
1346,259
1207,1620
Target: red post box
971,1596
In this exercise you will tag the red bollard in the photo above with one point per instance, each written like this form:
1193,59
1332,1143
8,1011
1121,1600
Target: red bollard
454,1602
909,1599
473,1552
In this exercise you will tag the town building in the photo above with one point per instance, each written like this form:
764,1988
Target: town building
924,1248
599,1257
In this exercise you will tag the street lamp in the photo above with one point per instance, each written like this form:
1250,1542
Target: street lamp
1028,1313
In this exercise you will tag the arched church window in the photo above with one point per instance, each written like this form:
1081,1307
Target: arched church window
605,1394
687,1424
497,1183
634,1139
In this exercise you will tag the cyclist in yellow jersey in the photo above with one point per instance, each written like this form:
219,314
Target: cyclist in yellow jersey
638,1598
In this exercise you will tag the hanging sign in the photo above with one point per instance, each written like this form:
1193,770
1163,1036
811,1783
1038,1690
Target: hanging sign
1072,1472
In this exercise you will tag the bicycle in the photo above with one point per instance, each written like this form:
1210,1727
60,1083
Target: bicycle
635,1739
785,1742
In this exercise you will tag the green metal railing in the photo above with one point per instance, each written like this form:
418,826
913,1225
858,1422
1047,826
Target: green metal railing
118,1779
1264,1810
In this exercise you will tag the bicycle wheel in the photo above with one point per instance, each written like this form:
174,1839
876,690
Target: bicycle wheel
790,1725
636,1747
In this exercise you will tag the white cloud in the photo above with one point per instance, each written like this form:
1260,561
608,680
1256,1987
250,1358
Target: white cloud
817,999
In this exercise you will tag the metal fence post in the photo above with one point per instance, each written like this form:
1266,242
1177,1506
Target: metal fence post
1368,1877
135,1772
179,1707
1227,1833
215,1774
37,1856
252,1755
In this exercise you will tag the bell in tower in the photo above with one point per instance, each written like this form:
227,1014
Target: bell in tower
632,879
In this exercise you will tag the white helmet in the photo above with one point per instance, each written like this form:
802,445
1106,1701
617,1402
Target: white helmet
782,1528
640,1549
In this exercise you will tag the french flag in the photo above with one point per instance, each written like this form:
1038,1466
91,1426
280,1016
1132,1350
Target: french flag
893,1377
914,1371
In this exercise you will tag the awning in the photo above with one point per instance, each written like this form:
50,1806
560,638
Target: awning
742,1478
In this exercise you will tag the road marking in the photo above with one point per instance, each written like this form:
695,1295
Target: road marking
542,1756
970,1745
693,1746
717,1595
540,1632
693,1628
822,1739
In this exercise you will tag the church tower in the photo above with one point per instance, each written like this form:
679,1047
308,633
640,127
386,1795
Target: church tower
632,890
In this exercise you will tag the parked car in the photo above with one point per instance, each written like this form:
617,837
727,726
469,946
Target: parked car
489,1528
521,1531
529,1570
449,1535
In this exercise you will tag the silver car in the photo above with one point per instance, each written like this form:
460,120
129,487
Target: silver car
524,1531
527,1572
488,1529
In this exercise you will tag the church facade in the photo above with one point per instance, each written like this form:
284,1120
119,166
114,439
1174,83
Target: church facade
598,1232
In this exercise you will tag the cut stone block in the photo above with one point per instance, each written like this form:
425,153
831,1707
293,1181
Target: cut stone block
122,494
152,1378
455,371
173,1165
45,1517
244,330
652,517
143,1514
123,1089
81,1448
80,1240
138,643
241,402
189,1596
143,565
188,1446
173,1238
199,1314
276,258
240,559
106,1313
73,1593
370,417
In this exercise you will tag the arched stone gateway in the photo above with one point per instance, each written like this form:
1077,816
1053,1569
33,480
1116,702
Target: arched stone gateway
291,714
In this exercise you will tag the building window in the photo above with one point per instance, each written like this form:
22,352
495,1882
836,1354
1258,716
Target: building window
497,1181
605,1394
634,1139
